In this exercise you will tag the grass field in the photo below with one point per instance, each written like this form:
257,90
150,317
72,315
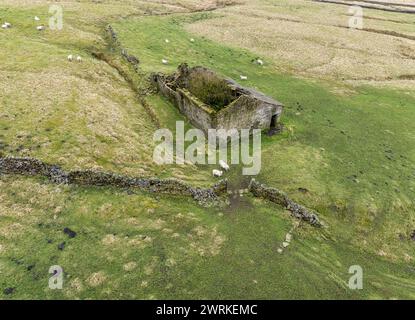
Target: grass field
349,110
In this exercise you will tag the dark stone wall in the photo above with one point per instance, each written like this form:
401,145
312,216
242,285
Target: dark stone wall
279,197
34,167
113,37
205,197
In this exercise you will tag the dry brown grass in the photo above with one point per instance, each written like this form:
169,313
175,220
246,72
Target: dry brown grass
313,40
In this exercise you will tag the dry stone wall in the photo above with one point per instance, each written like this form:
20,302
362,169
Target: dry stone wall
34,167
205,197
279,197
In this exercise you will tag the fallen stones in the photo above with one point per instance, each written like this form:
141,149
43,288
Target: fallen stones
61,245
9,290
69,232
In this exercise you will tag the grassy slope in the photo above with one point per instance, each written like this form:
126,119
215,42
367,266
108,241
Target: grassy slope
352,152
229,253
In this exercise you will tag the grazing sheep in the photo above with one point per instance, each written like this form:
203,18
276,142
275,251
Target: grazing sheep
79,59
217,173
70,58
167,40
244,77
6,25
260,62
192,40
164,61
40,28
37,18
223,165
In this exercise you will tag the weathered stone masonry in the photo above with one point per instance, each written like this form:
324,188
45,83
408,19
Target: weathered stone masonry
279,197
250,110
209,196
34,167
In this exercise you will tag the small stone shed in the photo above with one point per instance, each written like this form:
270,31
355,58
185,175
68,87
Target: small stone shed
248,110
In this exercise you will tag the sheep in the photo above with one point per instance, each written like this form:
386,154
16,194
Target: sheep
217,173
79,59
167,40
6,25
37,18
164,61
70,58
223,165
40,28
244,77
260,62
192,40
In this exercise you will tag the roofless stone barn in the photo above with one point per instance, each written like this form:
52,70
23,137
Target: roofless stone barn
210,101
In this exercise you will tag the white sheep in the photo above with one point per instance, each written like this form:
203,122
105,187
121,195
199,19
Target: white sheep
6,25
164,61
244,77
79,58
167,40
70,57
40,28
260,62
223,165
217,173
192,40
37,18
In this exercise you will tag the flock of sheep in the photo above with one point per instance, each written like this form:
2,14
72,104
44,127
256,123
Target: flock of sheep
219,173
71,58
8,25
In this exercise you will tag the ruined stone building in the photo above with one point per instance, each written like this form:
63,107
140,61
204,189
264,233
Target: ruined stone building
210,101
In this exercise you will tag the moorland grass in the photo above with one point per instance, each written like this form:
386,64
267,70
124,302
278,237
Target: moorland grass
353,153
